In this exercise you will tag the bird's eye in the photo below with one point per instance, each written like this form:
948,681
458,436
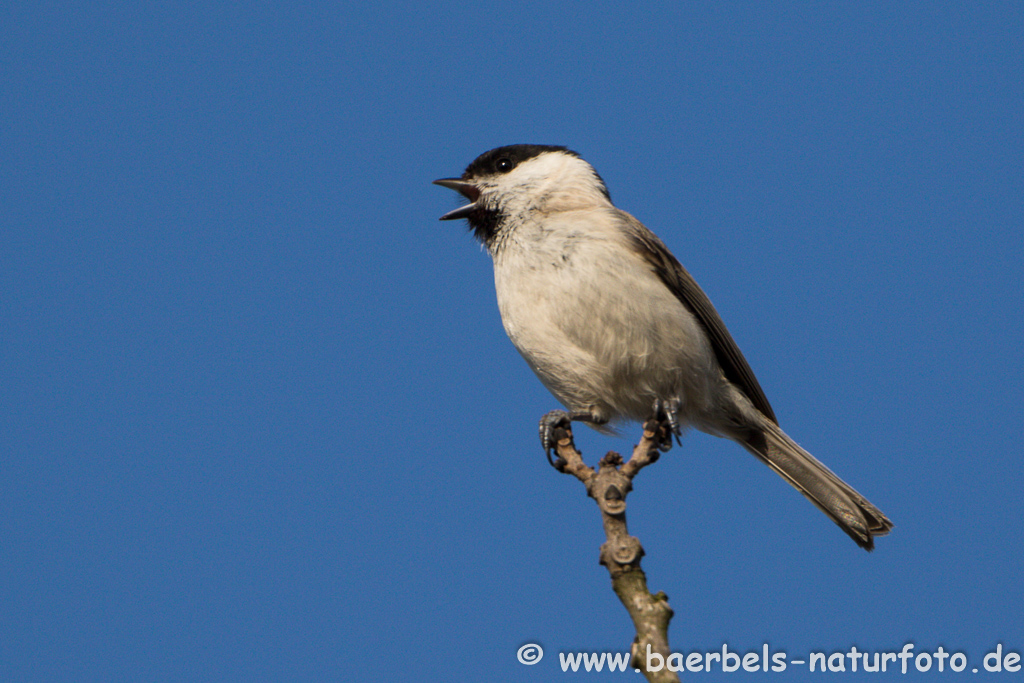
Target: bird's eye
504,164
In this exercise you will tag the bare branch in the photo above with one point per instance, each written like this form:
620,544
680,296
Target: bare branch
620,553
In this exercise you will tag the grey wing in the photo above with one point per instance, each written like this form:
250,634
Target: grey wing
686,289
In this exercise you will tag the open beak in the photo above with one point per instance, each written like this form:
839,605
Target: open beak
467,189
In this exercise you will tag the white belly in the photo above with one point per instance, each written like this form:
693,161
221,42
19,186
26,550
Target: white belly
599,328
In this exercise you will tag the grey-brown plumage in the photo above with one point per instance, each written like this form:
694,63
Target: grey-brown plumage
614,326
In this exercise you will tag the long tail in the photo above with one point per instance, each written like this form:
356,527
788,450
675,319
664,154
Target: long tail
861,520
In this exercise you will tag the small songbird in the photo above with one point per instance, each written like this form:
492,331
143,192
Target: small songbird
616,328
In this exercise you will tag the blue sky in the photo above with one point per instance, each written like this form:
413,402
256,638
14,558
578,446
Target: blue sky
260,419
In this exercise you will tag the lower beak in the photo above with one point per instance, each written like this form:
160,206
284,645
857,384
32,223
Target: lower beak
467,189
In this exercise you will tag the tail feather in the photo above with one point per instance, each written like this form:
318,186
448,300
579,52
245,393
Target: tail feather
861,520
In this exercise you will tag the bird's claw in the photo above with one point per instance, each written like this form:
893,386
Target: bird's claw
549,424
667,413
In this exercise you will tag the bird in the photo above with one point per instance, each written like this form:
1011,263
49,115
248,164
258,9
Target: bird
614,326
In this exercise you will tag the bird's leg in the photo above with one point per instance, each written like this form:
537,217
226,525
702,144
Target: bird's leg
667,413
559,418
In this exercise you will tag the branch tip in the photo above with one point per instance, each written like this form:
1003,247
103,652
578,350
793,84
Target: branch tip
621,553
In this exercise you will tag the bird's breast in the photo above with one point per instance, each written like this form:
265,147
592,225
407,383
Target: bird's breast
595,323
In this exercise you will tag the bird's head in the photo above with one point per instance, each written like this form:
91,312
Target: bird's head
509,185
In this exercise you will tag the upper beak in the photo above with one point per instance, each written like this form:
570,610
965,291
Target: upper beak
467,189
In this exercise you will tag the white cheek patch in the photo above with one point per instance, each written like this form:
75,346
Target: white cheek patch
557,177
549,165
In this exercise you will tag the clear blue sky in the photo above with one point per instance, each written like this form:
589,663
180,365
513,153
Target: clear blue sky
259,417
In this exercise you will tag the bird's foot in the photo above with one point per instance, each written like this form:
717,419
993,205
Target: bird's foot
666,414
556,425
550,424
